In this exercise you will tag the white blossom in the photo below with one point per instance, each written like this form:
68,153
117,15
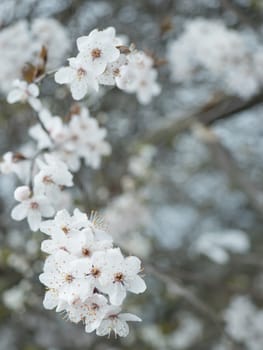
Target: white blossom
244,322
15,163
226,54
52,176
21,43
61,275
78,77
122,276
116,322
24,92
138,76
217,245
33,207
98,49
91,311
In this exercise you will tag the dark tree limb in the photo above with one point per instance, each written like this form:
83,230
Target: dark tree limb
208,115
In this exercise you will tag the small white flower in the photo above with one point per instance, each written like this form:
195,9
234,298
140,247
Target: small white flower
218,245
98,49
57,132
86,139
112,71
15,163
33,206
24,92
61,275
52,175
78,243
78,77
120,276
116,322
139,76
148,87
64,223
93,268
91,311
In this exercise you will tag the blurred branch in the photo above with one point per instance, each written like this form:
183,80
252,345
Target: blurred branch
181,291
208,115
223,157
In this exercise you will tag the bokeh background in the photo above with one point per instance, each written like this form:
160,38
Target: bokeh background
182,189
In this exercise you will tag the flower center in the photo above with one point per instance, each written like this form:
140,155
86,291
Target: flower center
119,277
17,157
96,53
65,229
85,252
95,272
47,180
74,137
94,306
81,73
34,205
69,278
116,72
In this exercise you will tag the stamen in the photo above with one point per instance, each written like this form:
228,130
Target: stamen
95,53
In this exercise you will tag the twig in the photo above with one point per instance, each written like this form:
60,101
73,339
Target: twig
44,127
31,170
45,75
179,290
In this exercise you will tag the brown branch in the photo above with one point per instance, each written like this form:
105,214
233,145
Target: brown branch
208,115
223,157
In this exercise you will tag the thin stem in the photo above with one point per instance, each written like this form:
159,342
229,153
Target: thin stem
33,161
45,75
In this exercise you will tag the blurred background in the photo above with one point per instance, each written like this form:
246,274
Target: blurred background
183,187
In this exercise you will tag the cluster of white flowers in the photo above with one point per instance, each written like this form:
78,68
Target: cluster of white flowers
60,148
21,43
102,59
86,277
228,56
41,199
80,138
244,322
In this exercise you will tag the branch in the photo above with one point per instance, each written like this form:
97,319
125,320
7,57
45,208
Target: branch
200,121
208,115
197,303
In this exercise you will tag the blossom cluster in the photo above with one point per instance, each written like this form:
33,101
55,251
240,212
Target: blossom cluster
102,59
33,36
80,138
86,277
231,57
244,322
60,149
